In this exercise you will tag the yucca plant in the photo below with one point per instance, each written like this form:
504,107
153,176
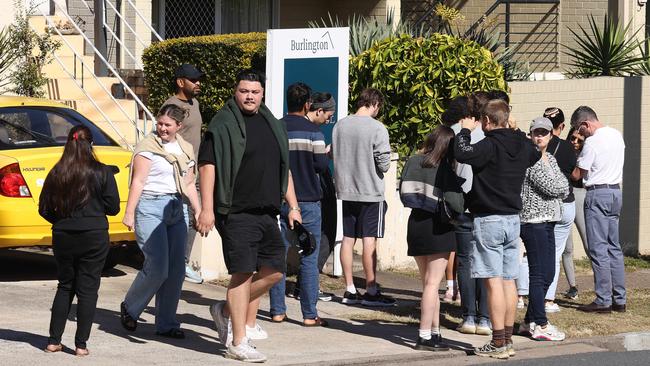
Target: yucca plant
366,31
644,50
609,50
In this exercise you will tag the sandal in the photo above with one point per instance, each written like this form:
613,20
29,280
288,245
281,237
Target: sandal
172,333
279,318
318,322
51,348
127,321
81,352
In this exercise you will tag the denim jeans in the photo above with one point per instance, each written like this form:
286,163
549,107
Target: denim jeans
308,275
523,279
473,295
161,232
602,211
540,251
561,232
496,249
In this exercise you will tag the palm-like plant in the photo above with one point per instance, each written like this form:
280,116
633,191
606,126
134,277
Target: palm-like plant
606,51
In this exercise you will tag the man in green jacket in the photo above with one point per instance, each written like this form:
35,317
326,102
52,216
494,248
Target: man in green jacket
244,174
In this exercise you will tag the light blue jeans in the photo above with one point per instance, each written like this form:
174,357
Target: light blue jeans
496,248
562,231
161,223
308,274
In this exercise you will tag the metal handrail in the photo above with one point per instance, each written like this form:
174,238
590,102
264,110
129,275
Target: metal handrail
137,12
115,73
88,96
137,63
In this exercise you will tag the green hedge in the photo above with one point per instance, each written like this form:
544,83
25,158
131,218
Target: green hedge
418,77
220,57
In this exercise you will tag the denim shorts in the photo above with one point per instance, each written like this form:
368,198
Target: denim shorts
496,247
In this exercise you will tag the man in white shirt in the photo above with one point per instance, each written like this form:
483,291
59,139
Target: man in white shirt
600,166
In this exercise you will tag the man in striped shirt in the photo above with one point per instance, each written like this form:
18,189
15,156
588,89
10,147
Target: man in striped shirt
307,159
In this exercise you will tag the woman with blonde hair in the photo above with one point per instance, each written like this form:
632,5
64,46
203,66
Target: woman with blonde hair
162,177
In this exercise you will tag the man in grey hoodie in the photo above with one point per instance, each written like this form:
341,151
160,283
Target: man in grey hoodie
361,152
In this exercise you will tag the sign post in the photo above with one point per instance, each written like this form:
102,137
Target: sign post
318,57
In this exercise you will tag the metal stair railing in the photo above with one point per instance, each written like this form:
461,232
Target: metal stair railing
118,39
88,96
146,112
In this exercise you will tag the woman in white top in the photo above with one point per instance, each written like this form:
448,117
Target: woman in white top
162,176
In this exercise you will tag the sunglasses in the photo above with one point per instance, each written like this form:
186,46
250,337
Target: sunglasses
540,132
576,139
193,81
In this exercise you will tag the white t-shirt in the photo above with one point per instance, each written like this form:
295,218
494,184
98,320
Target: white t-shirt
161,175
602,157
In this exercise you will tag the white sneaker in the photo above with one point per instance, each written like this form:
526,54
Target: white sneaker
548,333
520,303
223,324
191,275
256,332
526,329
244,352
551,307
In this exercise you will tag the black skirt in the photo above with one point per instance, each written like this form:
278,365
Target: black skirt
426,235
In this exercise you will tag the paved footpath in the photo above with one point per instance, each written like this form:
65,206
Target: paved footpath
25,316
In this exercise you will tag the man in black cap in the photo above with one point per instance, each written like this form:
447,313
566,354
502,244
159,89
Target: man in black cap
187,81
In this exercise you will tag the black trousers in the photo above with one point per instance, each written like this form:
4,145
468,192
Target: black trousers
80,257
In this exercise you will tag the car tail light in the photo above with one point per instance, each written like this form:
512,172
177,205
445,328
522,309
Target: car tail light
12,182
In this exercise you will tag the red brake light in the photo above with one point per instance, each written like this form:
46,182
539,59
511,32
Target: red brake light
12,183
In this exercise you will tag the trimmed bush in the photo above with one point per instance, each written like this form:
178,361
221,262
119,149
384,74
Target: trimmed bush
418,77
220,57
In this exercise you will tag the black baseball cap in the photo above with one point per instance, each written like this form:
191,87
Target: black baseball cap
188,71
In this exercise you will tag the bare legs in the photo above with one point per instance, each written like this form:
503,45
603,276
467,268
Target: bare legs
432,268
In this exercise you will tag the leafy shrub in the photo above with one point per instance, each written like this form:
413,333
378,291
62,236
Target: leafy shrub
610,50
32,51
7,58
418,77
220,57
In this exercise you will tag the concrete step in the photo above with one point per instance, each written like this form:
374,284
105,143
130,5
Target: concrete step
109,107
72,64
68,88
69,43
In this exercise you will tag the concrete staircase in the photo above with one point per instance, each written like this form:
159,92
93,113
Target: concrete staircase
72,90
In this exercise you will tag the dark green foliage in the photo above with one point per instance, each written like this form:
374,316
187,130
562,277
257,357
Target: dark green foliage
220,57
418,77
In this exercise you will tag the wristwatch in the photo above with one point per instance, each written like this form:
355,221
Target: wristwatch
296,208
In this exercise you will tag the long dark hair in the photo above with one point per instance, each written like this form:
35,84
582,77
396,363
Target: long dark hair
71,181
436,146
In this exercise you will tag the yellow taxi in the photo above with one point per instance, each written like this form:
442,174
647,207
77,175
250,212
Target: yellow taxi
32,135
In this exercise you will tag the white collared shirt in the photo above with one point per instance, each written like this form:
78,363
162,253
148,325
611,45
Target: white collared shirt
602,157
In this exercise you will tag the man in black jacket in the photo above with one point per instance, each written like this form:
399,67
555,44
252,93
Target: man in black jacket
499,164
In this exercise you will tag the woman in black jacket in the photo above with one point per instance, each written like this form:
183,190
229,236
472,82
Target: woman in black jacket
77,195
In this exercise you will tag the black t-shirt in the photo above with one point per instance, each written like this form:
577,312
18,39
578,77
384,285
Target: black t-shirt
566,160
257,186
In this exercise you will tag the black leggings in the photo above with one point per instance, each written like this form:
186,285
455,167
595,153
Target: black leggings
80,257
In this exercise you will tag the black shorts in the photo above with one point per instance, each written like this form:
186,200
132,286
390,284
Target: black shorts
251,241
364,219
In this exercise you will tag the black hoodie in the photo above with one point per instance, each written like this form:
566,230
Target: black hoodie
499,163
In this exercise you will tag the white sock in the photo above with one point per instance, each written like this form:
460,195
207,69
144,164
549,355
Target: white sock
435,330
351,289
372,290
425,333
450,285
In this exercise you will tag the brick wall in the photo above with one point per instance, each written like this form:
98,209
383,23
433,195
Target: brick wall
622,103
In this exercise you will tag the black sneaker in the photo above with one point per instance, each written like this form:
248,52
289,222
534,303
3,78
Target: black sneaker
377,300
351,299
324,296
434,344
572,293
294,294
